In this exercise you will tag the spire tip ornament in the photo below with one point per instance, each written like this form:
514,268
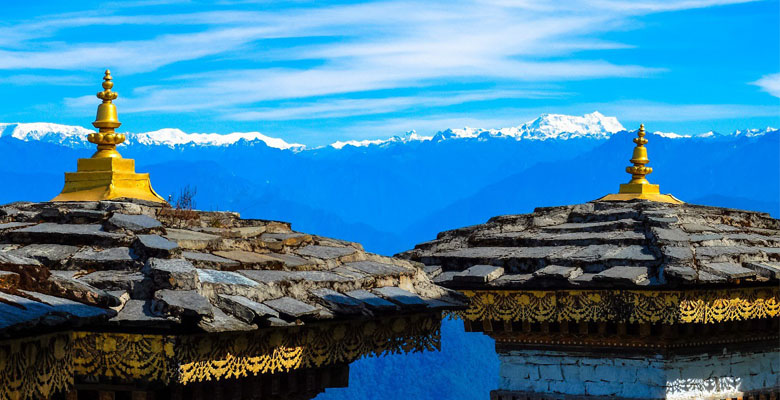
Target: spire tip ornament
107,175
639,187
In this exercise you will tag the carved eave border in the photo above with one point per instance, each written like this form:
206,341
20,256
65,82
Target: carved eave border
41,366
623,306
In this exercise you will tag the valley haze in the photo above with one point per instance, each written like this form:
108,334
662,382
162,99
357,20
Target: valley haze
392,193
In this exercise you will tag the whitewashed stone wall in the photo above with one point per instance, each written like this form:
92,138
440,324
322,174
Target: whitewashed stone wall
639,377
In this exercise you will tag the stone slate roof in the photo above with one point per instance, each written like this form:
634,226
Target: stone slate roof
636,244
133,265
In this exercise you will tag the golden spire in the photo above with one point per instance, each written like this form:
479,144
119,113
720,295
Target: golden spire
639,171
106,121
639,187
107,175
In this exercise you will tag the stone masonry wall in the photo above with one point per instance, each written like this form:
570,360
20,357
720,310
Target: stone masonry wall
641,376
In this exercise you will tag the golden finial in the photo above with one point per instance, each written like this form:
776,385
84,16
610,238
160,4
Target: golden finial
106,121
639,187
638,171
107,175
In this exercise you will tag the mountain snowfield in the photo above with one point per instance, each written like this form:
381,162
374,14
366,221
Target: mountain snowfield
73,136
546,127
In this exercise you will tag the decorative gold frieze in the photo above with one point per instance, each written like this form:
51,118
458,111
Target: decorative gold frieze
42,366
205,358
628,306
35,367
124,355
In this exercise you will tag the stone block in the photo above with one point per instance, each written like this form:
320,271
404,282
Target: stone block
602,388
670,234
325,252
571,373
135,283
50,254
63,284
171,274
181,303
432,270
191,240
372,301
134,223
377,269
337,302
243,308
225,278
766,269
479,274
155,246
401,297
70,234
138,313
680,272
291,307
249,259
679,254
8,280
569,387
318,276
222,322
728,270
627,275
269,276
67,306
558,272
14,225
444,278
208,260
551,372
641,391
110,258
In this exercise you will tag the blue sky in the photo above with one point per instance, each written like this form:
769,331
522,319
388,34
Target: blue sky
315,72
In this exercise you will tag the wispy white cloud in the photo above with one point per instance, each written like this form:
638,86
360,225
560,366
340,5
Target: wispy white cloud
366,106
48,80
769,84
358,48
665,112
639,111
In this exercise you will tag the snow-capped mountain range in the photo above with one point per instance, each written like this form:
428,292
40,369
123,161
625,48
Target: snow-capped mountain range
546,127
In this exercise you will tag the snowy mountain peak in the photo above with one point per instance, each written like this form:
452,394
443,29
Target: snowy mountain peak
76,135
45,132
559,126
753,132
547,126
175,137
409,136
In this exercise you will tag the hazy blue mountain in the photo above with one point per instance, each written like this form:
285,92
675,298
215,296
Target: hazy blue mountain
390,194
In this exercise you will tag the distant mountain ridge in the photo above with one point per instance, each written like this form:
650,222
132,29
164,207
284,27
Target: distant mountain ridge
76,136
391,194
546,127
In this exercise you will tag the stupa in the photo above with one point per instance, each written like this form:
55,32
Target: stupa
636,295
107,292
106,175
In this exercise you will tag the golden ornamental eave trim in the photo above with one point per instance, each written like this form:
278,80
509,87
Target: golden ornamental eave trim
33,368
198,358
625,306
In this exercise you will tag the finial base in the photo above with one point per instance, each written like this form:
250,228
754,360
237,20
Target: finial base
657,197
105,179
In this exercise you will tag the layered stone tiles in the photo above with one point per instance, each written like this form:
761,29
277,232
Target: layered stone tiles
608,245
135,264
